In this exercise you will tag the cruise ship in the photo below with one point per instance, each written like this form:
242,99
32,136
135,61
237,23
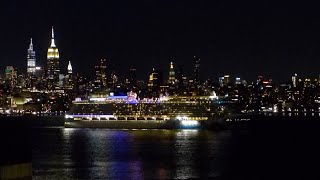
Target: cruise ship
129,112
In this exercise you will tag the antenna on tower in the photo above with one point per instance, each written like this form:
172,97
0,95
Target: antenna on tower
52,38
52,33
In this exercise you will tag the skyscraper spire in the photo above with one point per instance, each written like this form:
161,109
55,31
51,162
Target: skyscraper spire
52,68
172,77
52,33
31,45
53,52
69,68
52,38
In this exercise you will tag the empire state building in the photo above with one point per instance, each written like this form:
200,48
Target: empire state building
53,70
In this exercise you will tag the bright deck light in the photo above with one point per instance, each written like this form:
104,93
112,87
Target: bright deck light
68,116
189,123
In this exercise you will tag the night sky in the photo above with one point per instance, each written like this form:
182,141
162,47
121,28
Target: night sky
242,38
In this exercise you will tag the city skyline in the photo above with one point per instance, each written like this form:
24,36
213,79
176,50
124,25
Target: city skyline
194,74
225,36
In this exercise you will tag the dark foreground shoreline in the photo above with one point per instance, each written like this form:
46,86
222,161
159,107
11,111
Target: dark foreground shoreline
16,155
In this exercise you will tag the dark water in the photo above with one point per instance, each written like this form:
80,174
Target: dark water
59,153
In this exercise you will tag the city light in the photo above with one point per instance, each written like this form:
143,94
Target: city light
98,99
68,116
189,123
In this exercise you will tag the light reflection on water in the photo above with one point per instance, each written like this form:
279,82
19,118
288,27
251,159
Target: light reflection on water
184,151
127,154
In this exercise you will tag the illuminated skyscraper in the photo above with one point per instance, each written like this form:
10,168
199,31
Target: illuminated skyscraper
53,70
114,79
226,79
221,80
196,70
151,78
68,79
11,76
294,80
101,74
155,79
238,81
31,60
69,68
172,76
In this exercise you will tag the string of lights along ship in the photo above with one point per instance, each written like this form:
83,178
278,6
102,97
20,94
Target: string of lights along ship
163,98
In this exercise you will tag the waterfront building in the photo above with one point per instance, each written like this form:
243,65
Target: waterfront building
53,70
11,76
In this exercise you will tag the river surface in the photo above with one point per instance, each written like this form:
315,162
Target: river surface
59,153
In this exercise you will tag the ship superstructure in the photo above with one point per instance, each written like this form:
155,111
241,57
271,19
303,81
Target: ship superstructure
129,108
